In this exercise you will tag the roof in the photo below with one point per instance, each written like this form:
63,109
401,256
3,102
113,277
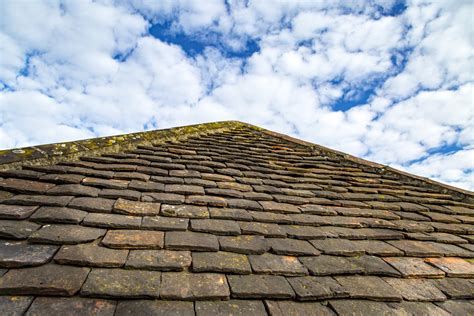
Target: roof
227,218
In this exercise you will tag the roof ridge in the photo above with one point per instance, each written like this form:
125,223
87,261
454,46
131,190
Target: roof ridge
56,152
53,153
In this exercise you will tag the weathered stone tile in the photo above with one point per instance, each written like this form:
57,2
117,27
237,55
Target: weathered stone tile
364,307
22,199
456,288
317,209
368,287
420,308
20,254
244,204
330,265
453,267
52,214
127,207
417,248
416,289
379,233
260,286
24,174
194,286
200,182
406,206
445,238
221,261
17,229
191,241
225,192
16,211
230,213
271,206
215,226
287,246
338,247
120,283
413,226
74,189
268,217
167,180
279,265
117,193
24,186
375,266
15,305
187,211
316,288
91,255
168,198
162,260
232,307
290,199
71,306
458,307
282,308
100,205
65,234
154,307
379,248
414,267
206,200
232,185
184,189
257,196
246,244
309,219
105,183
112,221
48,279
146,186
165,223
133,239
304,232
216,177
131,176
268,230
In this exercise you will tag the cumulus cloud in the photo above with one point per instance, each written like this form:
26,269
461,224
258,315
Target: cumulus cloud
383,80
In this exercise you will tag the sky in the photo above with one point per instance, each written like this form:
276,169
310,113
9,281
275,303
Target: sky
388,81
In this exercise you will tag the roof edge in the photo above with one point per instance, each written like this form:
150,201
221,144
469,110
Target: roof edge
53,153
462,194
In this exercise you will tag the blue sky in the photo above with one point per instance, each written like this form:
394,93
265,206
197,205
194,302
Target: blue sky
389,81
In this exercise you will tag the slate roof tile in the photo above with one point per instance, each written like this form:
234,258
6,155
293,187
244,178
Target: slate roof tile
164,223
347,228
65,234
49,214
16,211
71,306
161,260
154,307
91,255
133,239
48,279
21,254
260,286
120,283
194,286
191,241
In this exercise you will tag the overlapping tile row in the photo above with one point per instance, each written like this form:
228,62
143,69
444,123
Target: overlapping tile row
232,223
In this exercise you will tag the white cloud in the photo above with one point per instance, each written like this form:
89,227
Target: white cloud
59,79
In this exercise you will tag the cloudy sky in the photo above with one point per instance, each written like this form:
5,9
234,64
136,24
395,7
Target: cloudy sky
388,81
